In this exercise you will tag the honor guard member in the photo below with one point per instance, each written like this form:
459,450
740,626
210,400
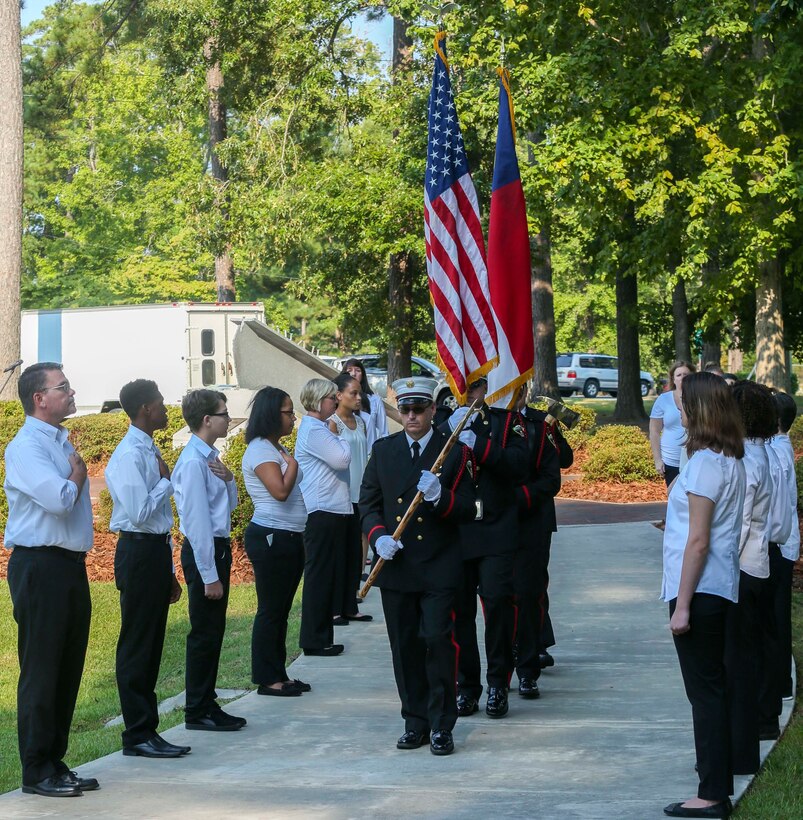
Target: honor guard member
536,504
488,546
49,529
139,482
206,495
419,580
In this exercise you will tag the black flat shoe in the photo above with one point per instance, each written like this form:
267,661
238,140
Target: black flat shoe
149,748
300,685
359,617
467,706
327,651
528,688
497,705
161,743
288,690
340,621
721,809
412,740
441,743
545,659
217,721
54,786
85,784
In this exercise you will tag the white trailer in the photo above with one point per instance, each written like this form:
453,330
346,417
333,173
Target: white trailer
181,346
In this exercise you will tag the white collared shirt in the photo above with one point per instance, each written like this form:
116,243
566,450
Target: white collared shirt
324,460
44,506
205,503
754,557
721,479
422,442
141,496
673,433
780,525
376,420
782,447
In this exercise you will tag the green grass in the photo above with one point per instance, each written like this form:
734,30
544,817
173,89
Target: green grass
604,407
98,701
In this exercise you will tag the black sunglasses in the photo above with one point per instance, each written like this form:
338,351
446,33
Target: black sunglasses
418,409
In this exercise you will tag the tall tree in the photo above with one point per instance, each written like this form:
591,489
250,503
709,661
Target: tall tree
11,165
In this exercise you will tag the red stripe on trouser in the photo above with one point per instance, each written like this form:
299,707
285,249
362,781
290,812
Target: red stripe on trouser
456,646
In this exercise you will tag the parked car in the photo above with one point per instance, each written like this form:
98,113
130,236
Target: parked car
593,373
376,368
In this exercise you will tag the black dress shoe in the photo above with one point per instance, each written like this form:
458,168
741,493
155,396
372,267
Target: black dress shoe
217,721
149,748
54,786
300,685
467,706
412,740
441,743
545,659
769,733
528,688
164,744
721,809
287,690
497,705
85,784
327,651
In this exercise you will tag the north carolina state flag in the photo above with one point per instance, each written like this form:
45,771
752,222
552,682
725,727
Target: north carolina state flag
509,262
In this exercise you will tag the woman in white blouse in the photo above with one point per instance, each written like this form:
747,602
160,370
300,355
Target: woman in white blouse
351,428
701,577
666,432
274,540
324,459
372,408
744,644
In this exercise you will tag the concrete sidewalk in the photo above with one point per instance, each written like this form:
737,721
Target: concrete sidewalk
609,738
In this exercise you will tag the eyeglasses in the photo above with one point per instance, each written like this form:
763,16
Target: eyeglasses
288,413
330,398
224,415
64,387
418,409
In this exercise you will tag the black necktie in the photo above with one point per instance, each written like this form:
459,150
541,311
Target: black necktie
416,448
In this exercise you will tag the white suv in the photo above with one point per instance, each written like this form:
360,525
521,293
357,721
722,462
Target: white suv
593,373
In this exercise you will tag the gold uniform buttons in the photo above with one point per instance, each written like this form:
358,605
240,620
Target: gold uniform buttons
398,501
420,537
398,518
420,520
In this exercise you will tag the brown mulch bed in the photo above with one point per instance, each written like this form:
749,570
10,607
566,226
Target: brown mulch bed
616,492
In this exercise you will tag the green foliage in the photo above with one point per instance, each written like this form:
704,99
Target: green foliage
579,436
799,476
96,435
103,511
233,459
619,453
796,434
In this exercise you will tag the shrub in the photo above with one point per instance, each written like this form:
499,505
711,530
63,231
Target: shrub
582,431
799,474
103,512
796,434
164,438
233,459
95,436
619,453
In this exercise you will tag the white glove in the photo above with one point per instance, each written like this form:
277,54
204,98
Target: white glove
457,417
430,485
386,547
469,438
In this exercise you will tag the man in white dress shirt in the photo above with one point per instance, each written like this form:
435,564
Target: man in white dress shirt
206,494
139,482
49,529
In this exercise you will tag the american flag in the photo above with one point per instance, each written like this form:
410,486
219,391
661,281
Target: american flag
465,329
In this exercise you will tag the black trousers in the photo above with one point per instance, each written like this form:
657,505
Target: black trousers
742,651
52,608
143,572
781,572
324,536
277,557
348,568
530,579
547,632
424,657
771,678
701,653
207,628
492,577
670,473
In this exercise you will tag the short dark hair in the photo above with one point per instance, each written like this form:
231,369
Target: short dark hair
32,380
135,394
198,404
265,420
343,380
757,408
786,407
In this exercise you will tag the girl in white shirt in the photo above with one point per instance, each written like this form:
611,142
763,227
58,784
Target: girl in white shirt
667,434
701,577
372,408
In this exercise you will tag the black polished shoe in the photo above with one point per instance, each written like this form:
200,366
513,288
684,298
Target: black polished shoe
164,744
497,704
528,688
545,659
217,721
441,743
467,706
150,748
721,809
85,784
327,651
412,740
54,786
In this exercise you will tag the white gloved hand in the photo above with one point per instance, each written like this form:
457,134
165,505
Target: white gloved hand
386,547
430,485
457,417
469,438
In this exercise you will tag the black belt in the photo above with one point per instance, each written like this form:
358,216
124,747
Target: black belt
73,555
159,537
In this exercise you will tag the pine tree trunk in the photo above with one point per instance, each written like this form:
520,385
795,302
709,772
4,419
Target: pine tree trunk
770,356
629,404
545,374
680,320
224,265
10,190
401,265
